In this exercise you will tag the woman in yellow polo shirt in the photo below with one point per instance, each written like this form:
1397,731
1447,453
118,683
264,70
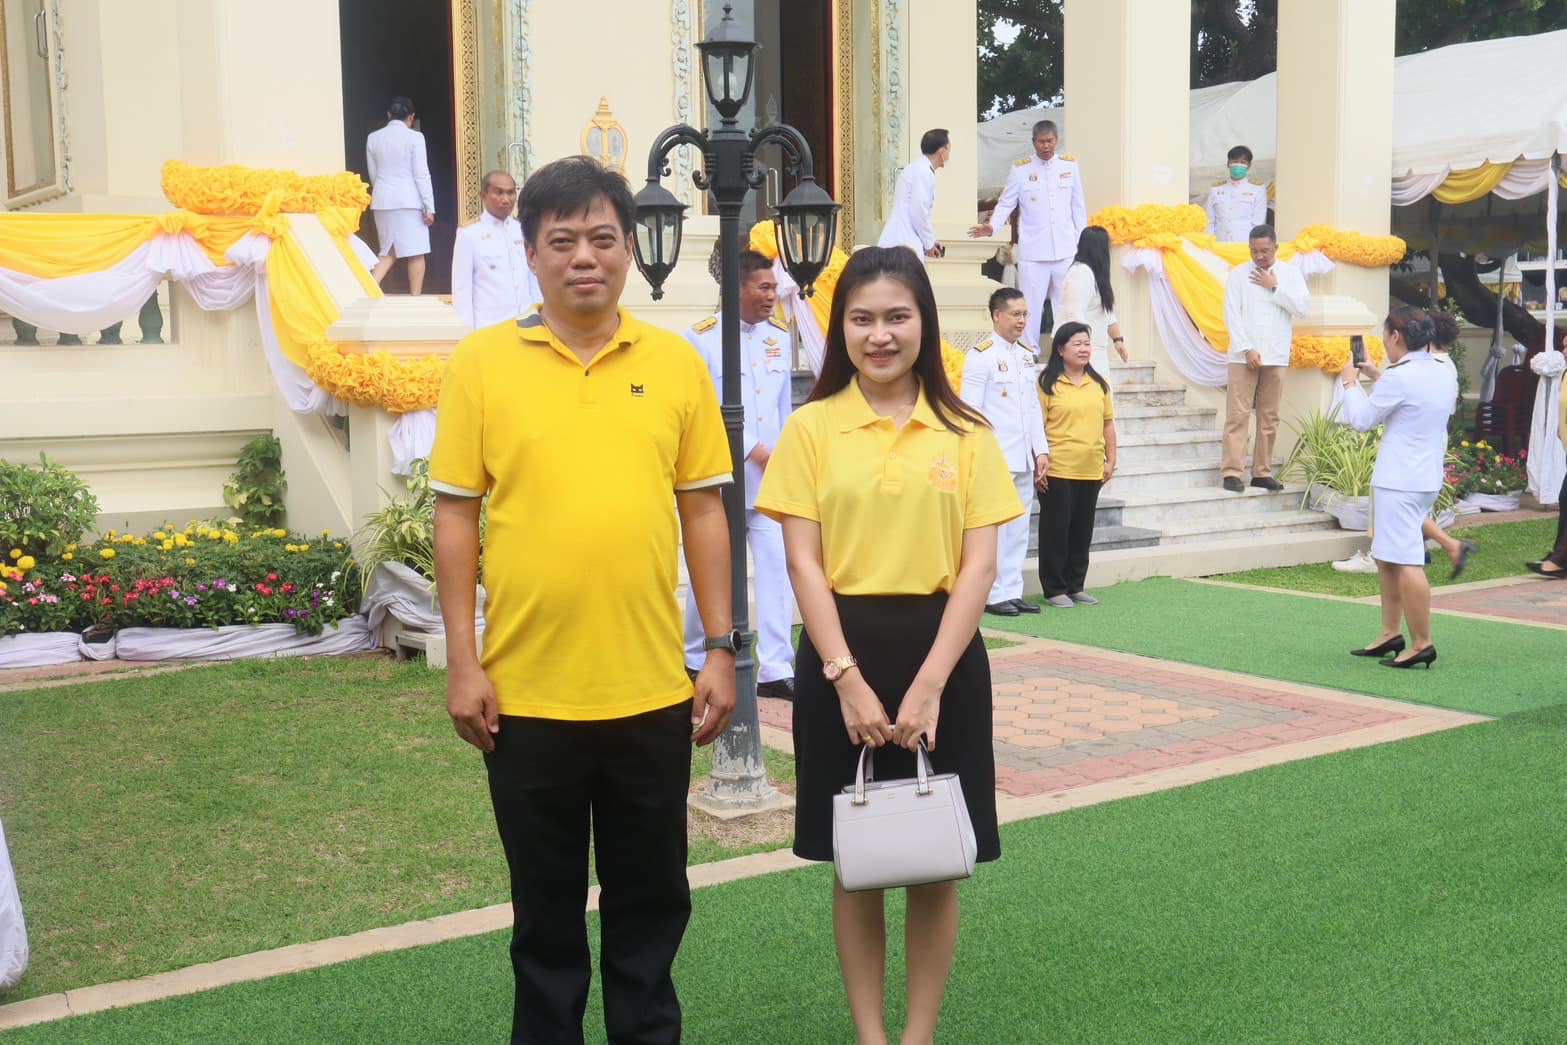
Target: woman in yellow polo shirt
1080,427
890,490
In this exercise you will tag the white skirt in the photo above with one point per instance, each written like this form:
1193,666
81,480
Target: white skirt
1396,518
403,230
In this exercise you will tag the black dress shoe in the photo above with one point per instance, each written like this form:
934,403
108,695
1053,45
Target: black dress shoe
779,689
1464,548
1267,482
1233,484
1392,645
1553,575
1426,656
1024,606
1002,609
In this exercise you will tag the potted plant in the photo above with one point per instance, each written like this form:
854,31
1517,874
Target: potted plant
1486,479
1335,462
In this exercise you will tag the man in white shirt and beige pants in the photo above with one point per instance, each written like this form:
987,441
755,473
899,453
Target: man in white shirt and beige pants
1261,297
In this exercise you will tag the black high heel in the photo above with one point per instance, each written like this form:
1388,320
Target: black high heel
1426,656
1464,548
1392,645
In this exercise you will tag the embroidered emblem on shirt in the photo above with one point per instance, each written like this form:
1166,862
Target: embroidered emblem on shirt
636,391
1001,365
943,476
1033,177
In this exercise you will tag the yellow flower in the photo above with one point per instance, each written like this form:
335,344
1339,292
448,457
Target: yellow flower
304,547
16,553
190,562
280,533
337,544
290,548
26,562
166,546
1465,443
70,547
326,533
68,556
231,538
106,553
140,542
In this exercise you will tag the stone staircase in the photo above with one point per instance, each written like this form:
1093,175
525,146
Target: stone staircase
1166,487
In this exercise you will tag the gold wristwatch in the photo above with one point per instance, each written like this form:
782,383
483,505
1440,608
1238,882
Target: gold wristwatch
833,669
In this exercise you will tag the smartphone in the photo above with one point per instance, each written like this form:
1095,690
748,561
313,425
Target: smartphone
1357,349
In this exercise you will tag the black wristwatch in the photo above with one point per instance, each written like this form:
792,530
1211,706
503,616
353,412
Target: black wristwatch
731,641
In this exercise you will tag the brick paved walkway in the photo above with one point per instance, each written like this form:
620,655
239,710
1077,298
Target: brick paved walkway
1534,601
1071,717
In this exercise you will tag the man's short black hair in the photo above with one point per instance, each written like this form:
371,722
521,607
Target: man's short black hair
570,186
400,108
1262,232
752,261
934,140
1240,152
1044,127
999,299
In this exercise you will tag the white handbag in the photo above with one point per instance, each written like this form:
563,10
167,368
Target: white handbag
888,834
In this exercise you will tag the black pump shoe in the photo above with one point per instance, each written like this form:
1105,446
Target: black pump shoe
1426,656
1392,645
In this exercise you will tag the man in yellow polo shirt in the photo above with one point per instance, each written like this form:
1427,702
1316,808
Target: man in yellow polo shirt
589,430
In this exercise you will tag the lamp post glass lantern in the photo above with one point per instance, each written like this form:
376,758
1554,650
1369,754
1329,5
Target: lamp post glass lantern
807,222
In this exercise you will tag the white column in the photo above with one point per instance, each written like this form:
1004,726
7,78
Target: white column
1335,134
1128,73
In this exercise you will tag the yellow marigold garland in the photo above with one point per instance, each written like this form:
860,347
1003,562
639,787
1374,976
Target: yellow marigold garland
398,386
1131,225
1329,354
240,190
1159,226
1352,248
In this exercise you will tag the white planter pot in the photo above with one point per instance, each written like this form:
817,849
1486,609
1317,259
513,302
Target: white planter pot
1352,513
1493,502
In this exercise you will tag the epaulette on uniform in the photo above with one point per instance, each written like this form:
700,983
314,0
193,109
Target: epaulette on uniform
780,324
702,326
1023,162
1257,183
1068,157
984,344
1221,182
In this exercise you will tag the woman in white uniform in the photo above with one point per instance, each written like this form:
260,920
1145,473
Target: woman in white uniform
1412,399
1087,298
402,199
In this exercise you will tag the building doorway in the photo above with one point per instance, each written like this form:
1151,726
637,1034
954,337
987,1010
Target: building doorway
404,47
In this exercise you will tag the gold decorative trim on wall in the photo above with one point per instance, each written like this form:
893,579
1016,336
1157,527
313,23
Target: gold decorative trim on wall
605,140
465,85
843,116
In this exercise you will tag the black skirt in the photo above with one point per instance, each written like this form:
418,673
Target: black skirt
890,636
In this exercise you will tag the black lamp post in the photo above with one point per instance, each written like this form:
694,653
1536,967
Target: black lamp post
807,220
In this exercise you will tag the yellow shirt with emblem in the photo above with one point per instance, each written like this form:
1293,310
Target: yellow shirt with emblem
581,464
892,503
1075,417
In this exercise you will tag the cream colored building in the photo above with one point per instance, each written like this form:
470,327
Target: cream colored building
102,92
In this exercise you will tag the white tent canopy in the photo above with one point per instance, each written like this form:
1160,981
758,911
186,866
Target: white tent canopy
1446,117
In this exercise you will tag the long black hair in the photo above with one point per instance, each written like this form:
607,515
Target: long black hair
1057,365
899,264
1093,250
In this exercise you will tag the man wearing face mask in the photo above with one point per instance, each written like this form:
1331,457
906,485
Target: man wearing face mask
1238,205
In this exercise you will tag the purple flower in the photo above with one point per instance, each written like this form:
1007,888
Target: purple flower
219,583
190,600
201,587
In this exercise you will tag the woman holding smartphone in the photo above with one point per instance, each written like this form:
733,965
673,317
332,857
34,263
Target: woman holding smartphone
890,491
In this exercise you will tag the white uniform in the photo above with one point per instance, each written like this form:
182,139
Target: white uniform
401,193
909,223
766,392
1080,303
1235,208
1000,381
1051,215
491,281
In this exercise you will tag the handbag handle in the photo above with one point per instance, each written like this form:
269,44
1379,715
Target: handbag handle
867,770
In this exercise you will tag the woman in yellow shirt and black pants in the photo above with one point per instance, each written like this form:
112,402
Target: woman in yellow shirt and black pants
889,490
1080,427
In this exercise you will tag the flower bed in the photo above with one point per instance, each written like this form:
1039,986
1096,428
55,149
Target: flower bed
199,576
1485,479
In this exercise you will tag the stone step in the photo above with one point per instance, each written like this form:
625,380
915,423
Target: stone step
1265,524
1137,420
1184,474
1167,447
1161,510
1108,538
1148,393
1135,373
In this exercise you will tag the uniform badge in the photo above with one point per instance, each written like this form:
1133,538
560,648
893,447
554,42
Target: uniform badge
1001,365
1033,177
943,477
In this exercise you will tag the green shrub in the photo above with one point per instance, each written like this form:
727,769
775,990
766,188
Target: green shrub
255,490
43,508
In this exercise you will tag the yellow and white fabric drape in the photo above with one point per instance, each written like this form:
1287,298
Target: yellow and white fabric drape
1511,181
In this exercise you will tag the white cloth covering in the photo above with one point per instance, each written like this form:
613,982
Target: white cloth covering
797,310
1198,362
242,641
13,929
908,224
1547,459
412,436
402,594
39,649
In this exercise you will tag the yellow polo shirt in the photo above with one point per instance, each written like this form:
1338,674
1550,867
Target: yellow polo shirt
1075,417
582,464
892,504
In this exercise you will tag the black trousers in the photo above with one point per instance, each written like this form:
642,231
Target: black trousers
625,779
1066,529
1559,553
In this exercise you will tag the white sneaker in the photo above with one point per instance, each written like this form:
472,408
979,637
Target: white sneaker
1360,562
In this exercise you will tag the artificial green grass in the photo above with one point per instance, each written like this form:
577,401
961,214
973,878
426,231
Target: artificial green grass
1405,892
161,821
1482,666
1501,551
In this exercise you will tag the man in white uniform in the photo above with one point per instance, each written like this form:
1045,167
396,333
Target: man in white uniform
491,280
909,223
1238,205
999,380
402,199
1260,298
1047,192
766,377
